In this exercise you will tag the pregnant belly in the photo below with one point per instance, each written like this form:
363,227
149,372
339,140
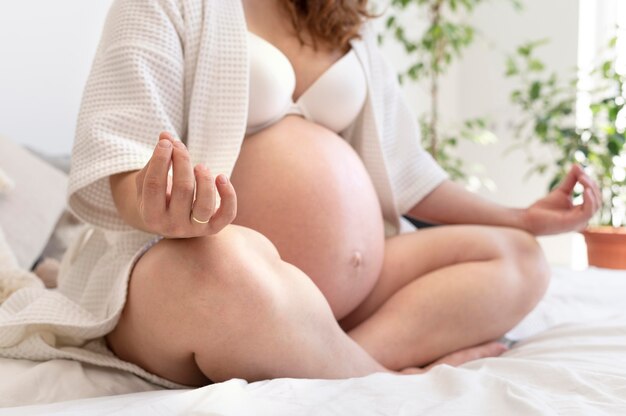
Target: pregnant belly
305,189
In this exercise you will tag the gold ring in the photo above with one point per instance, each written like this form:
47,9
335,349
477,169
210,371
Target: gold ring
198,221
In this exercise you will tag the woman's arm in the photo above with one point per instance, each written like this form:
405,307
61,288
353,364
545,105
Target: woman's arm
450,203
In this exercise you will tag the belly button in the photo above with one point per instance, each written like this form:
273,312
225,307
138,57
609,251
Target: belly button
357,259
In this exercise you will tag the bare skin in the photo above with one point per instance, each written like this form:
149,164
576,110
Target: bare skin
487,279
306,171
236,287
409,301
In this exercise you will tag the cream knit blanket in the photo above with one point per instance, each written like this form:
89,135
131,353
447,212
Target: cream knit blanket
24,298
12,277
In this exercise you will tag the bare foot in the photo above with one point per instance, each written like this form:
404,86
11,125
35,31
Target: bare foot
489,349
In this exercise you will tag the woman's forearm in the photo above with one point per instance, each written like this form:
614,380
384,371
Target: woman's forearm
124,190
450,203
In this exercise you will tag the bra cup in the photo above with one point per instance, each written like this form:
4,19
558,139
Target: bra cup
334,100
337,97
272,82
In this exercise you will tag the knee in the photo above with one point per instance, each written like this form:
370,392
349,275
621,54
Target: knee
232,264
189,296
529,266
237,272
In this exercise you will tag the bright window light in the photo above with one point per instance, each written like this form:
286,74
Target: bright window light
596,25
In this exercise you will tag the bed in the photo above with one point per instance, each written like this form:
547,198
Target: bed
569,358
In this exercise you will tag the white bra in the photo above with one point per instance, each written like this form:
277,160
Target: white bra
334,100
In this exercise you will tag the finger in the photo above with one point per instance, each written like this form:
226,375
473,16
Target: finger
139,178
183,184
204,204
227,211
168,193
141,175
587,183
567,185
577,217
597,191
586,208
164,135
155,182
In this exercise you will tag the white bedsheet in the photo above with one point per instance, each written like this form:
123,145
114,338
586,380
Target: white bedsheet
571,361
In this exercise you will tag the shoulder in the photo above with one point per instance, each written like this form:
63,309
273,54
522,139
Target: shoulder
381,73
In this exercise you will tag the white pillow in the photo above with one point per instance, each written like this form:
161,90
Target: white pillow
29,211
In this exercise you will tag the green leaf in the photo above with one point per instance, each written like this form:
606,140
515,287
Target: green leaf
554,182
524,50
535,65
516,96
612,113
614,147
391,20
541,128
619,139
511,67
606,68
596,108
535,90
415,70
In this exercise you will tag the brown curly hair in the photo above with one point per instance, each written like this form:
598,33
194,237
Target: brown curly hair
330,23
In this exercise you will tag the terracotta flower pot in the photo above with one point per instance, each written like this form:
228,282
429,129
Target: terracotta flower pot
606,247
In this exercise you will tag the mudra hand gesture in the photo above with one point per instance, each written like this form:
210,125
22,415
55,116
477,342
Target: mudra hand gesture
556,213
182,205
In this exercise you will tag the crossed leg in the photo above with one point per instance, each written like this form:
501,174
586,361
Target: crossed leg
227,306
447,288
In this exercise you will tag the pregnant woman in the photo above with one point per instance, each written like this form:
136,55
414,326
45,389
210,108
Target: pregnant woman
303,272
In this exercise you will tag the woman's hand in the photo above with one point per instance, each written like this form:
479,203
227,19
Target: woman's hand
555,213
183,205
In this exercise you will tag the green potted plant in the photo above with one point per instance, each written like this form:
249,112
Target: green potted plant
547,108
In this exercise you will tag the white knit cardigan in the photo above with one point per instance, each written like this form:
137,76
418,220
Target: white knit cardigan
180,66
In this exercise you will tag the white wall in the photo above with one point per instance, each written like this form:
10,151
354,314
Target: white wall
46,48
